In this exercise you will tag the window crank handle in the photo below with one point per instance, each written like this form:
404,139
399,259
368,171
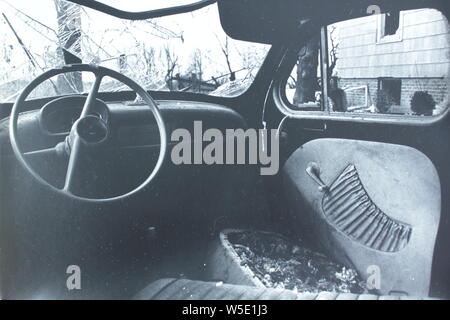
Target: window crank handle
313,170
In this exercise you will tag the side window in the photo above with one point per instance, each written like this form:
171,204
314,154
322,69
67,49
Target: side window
394,63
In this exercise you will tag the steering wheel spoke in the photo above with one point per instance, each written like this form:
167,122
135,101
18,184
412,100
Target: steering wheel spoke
90,101
38,154
76,143
72,166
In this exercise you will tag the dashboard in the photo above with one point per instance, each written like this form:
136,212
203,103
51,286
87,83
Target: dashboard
133,124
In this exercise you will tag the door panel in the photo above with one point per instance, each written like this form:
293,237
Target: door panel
369,205
432,141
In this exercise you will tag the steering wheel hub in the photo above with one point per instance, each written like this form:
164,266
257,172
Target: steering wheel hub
91,129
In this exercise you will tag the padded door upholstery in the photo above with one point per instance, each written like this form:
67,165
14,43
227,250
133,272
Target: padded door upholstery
379,208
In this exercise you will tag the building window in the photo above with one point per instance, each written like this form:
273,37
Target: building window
389,93
390,27
391,23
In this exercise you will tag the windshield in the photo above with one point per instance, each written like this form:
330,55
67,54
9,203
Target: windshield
186,52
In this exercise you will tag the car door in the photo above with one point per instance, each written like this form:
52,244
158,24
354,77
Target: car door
368,98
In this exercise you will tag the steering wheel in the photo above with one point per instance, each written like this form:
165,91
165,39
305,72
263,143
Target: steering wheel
87,133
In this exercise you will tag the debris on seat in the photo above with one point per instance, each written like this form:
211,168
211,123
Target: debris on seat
279,263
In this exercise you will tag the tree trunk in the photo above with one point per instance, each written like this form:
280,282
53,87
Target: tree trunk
69,36
307,66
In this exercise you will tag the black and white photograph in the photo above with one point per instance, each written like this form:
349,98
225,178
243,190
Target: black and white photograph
247,151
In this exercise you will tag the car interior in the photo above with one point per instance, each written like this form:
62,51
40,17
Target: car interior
87,177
